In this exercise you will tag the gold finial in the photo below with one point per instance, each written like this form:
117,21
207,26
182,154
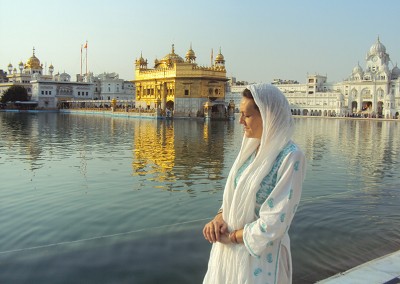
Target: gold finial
33,51
173,48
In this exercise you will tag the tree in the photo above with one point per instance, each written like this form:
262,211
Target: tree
15,93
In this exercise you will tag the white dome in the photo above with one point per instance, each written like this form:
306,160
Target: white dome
377,48
357,69
395,72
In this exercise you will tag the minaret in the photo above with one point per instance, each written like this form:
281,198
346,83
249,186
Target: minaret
219,59
190,55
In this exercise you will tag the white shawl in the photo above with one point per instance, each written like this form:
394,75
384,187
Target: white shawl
239,203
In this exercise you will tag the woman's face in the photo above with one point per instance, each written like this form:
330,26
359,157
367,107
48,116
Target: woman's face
251,119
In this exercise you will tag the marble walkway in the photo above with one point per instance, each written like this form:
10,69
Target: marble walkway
383,270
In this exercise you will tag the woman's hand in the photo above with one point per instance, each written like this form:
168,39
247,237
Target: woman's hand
216,230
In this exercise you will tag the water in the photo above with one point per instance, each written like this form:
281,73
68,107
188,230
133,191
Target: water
97,199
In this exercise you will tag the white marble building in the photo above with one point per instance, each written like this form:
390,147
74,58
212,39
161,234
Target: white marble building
50,94
370,92
50,90
109,86
23,75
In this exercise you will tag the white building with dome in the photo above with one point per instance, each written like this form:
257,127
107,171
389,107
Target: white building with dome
370,92
50,94
49,90
23,75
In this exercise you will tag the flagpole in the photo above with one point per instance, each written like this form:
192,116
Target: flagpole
86,59
81,61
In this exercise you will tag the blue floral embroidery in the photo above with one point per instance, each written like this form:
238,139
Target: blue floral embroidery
269,258
283,217
296,166
269,273
257,271
270,202
290,193
242,168
263,227
270,243
269,181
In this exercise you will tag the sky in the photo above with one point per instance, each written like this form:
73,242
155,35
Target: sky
260,40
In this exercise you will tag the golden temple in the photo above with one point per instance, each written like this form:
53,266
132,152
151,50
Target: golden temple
181,87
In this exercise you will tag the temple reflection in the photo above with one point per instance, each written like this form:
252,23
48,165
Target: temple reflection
168,151
174,154
153,149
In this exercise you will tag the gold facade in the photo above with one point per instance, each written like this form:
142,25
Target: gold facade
179,85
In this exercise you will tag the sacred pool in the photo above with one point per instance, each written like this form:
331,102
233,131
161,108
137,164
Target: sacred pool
102,199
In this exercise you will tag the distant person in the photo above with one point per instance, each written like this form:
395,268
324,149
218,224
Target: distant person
250,232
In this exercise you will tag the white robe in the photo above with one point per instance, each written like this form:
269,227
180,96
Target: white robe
265,255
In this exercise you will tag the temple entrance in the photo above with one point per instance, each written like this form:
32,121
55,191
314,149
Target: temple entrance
380,109
169,108
366,106
170,105
218,111
354,106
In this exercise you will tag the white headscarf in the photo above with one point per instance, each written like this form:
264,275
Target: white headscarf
231,262
239,203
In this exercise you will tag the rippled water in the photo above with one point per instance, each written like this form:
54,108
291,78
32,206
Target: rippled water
99,199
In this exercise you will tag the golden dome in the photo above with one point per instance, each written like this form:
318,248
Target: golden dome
190,55
190,52
172,57
219,57
33,62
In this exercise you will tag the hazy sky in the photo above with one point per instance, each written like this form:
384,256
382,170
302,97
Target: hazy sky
260,40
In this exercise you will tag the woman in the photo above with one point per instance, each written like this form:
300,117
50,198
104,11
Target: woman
250,232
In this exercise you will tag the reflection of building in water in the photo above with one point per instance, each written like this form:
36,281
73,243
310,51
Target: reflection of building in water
162,144
373,91
154,150
366,146
180,85
23,137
